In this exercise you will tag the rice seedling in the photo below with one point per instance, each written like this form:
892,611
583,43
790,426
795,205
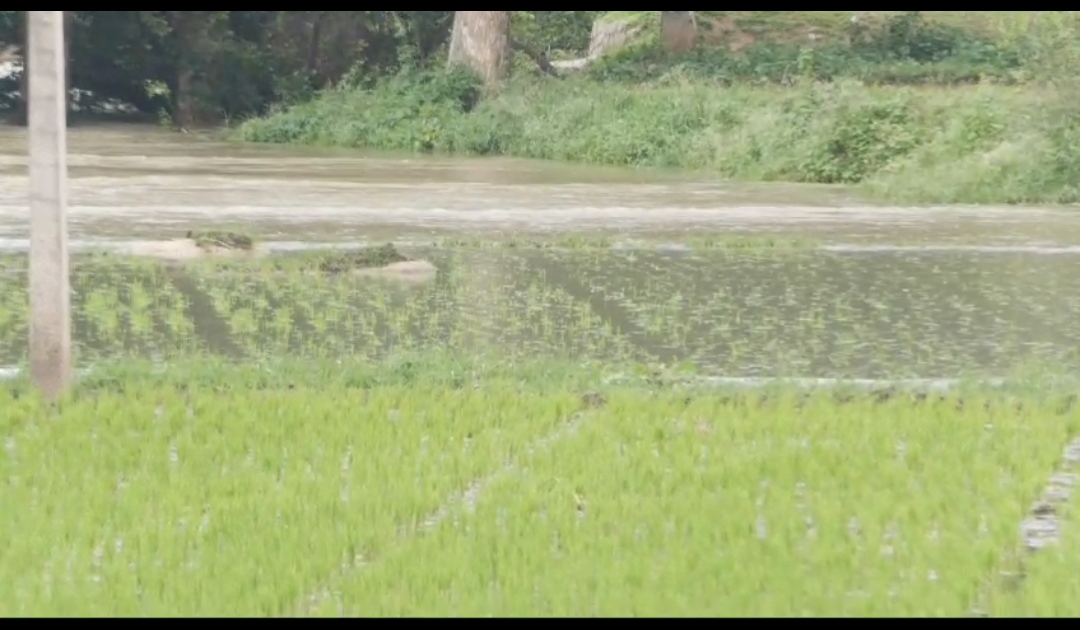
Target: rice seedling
227,500
523,435
749,311
699,504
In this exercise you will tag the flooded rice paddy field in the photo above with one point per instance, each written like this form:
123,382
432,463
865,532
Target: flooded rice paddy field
548,500
654,267
755,311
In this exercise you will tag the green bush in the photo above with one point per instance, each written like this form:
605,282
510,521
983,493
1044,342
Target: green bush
981,143
410,110
905,50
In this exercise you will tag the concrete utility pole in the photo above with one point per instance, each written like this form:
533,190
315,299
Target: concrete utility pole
50,295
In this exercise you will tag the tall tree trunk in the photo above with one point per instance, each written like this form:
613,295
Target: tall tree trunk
678,30
192,35
481,41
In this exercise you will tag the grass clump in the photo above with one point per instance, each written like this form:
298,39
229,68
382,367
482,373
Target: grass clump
366,258
217,239
414,107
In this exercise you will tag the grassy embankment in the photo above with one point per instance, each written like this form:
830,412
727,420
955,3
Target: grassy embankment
943,110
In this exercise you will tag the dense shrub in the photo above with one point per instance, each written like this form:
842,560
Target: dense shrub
911,112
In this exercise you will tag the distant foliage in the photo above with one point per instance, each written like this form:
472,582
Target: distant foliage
245,62
903,50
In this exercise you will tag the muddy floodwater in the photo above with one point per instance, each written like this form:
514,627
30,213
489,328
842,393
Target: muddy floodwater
883,292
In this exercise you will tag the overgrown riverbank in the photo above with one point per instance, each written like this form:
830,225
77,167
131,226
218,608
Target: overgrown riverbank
970,144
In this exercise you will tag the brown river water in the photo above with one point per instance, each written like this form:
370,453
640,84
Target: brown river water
890,292
130,182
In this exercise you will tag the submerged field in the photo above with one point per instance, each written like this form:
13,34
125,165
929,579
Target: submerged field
729,307
523,435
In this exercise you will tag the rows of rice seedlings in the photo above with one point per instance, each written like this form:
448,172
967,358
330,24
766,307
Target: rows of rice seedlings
230,501
696,504
506,305
119,308
14,317
879,315
482,301
128,308
274,314
751,311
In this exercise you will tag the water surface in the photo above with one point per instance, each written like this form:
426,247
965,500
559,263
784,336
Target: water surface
889,292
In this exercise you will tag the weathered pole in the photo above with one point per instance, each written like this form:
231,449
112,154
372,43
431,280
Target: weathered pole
50,296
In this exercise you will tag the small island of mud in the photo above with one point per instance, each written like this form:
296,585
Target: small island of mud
222,240
367,258
382,261
197,246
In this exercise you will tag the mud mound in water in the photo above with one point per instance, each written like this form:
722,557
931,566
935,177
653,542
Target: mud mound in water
367,258
383,262
221,240
196,245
